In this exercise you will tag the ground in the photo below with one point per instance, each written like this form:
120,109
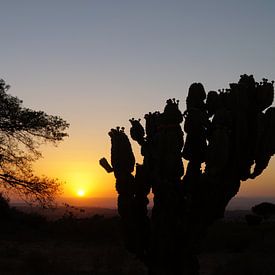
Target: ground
92,244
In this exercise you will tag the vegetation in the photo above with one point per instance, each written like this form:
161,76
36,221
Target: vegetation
264,209
22,131
229,138
31,244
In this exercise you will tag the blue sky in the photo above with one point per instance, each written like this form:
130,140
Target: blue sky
99,63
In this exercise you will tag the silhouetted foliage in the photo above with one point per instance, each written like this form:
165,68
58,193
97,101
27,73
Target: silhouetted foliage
228,131
264,209
22,130
253,219
4,206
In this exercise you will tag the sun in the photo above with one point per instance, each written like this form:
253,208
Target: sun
81,193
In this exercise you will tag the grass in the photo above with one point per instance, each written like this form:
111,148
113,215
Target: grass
31,245
239,249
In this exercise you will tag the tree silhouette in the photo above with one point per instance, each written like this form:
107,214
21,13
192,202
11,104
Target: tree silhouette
22,131
228,131
264,210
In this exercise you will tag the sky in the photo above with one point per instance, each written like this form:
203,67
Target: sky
98,63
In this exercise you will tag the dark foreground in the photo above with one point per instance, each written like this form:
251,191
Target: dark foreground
30,244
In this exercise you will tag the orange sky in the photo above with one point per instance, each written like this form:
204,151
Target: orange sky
81,171
79,167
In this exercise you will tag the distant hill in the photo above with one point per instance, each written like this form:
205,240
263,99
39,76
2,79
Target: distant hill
110,203
237,203
245,203
78,212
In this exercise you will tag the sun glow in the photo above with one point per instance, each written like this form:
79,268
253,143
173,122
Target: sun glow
81,193
78,175
80,182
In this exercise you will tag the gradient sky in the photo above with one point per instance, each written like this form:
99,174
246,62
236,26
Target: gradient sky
99,63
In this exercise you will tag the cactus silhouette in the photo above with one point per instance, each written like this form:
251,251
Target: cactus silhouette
231,131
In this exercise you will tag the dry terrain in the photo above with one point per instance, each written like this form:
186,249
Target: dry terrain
87,242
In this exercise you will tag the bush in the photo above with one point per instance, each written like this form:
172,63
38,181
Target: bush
4,206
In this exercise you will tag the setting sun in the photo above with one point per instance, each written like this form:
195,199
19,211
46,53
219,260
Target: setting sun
81,193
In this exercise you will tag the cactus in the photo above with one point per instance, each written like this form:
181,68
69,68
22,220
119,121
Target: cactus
228,131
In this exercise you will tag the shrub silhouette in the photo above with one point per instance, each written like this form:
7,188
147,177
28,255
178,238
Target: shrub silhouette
253,220
4,206
227,130
264,209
